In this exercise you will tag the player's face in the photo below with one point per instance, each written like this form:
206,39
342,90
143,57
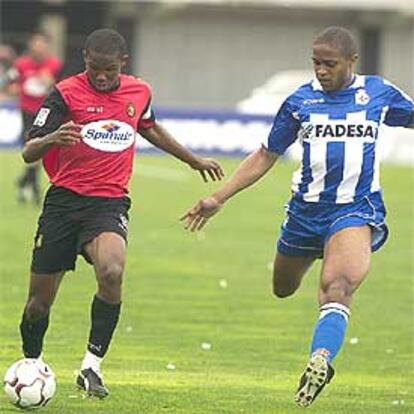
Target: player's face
38,46
332,69
103,70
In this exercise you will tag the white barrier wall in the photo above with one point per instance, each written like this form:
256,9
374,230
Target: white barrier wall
11,124
227,133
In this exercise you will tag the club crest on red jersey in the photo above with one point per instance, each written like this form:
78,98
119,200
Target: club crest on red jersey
130,110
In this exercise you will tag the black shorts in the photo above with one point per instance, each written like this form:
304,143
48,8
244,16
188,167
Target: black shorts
68,222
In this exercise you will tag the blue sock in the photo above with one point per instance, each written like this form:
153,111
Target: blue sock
329,332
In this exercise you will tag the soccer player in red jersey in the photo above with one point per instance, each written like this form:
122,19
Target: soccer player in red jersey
35,73
85,133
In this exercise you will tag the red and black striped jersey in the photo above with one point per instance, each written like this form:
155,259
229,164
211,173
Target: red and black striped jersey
101,163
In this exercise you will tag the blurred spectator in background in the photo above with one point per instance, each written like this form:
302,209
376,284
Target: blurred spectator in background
7,88
35,72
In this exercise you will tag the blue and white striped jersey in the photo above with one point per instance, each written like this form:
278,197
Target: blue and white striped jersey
338,131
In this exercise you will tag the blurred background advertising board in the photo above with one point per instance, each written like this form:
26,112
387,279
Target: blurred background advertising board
216,85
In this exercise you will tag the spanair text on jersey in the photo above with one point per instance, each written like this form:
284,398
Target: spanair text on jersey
338,131
101,163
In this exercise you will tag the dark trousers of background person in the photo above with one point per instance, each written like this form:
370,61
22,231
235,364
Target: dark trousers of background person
29,180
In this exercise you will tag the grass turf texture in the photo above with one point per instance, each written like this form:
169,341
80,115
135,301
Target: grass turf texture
174,301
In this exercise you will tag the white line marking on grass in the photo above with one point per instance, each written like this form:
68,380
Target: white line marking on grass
163,173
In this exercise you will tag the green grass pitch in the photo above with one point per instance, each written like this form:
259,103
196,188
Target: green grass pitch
182,290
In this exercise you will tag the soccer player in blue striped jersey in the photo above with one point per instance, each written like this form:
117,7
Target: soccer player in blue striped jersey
336,212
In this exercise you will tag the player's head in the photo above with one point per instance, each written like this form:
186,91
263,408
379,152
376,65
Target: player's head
105,54
38,45
334,57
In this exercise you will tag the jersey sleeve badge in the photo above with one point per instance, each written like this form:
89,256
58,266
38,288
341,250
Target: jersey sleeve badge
41,117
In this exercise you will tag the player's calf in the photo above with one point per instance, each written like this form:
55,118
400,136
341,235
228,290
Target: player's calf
33,326
288,272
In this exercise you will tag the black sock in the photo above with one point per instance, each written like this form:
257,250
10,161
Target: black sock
32,334
32,176
23,179
104,318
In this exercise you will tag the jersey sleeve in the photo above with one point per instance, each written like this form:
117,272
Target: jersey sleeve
50,116
401,107
147,119
284,129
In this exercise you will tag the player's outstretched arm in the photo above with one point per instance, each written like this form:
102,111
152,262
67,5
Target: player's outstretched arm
162,139
67,134
249,171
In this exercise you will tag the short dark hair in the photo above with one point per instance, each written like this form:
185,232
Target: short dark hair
106,41
339,38
39,33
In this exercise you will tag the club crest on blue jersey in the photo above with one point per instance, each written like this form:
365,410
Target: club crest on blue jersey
362,97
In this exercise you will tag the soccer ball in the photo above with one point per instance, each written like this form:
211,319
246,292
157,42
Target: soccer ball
29,383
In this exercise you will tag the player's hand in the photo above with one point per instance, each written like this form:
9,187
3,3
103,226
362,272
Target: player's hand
196,218
67,134
208,167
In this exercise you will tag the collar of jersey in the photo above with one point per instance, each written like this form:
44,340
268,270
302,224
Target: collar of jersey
93,87
358,81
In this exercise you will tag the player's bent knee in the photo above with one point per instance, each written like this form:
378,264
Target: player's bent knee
337,291
283,291
110,275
